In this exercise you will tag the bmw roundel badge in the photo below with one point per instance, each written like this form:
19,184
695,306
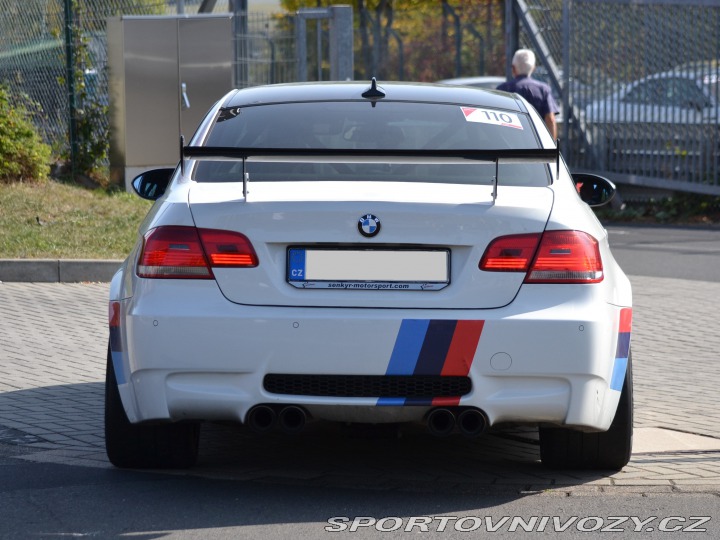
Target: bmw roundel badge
369,225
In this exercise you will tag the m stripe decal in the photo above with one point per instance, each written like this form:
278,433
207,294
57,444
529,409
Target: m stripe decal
433,347
116,344
462,349
407,346
623,350
460,355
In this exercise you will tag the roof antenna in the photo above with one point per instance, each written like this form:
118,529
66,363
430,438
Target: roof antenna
373,92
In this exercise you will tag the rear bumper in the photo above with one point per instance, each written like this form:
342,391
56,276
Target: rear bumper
182,351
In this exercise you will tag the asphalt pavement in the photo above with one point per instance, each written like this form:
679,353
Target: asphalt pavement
690,253
53,342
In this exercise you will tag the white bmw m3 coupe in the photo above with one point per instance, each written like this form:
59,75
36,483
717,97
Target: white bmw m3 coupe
364,253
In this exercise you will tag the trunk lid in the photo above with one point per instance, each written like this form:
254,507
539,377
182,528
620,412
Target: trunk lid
462,219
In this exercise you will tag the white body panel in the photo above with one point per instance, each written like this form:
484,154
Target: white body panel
193,354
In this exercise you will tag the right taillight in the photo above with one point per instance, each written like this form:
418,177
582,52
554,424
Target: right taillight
560,257
566,257
190,253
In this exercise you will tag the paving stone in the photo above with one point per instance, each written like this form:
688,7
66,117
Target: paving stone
53,340
642,482
699,481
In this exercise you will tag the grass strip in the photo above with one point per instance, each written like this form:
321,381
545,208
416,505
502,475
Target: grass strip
51,219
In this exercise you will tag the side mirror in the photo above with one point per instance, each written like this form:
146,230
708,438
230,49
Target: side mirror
152,184
594,190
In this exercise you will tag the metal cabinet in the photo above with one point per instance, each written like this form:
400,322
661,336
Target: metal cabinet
165,72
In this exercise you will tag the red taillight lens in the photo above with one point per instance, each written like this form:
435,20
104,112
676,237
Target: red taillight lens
228,249
173,252
566,257
187,252
510,253
561,257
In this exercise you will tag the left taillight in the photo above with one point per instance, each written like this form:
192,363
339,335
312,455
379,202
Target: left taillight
510,253
179,252
228,249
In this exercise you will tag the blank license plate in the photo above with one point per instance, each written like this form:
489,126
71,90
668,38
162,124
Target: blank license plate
368,269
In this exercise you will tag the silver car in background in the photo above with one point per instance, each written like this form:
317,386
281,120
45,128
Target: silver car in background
663,125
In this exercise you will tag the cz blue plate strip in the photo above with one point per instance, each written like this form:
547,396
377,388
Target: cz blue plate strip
296,265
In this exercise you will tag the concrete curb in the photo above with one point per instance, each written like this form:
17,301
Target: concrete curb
57,270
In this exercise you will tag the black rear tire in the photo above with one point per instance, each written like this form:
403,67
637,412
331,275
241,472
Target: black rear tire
161,446
565,448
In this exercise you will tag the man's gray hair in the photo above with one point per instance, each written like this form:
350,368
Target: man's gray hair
524,61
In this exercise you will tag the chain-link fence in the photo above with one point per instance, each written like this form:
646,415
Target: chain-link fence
53,53
641,76
265,52
643,99
440,41
34,38
655,112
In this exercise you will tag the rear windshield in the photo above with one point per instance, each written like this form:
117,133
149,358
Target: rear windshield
359,125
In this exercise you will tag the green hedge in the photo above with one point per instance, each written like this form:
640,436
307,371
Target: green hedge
23,155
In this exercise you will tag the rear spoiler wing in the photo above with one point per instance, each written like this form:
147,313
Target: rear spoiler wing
222,153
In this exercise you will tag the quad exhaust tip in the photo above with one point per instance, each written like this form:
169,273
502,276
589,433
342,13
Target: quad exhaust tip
264,418
441,422
261,418
292,419
470,422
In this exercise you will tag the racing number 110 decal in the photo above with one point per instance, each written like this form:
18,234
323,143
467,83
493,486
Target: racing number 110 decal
488,116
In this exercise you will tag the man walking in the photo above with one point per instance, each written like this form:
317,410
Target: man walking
537,93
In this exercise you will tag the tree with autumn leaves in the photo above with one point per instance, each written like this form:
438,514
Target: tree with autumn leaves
424,40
